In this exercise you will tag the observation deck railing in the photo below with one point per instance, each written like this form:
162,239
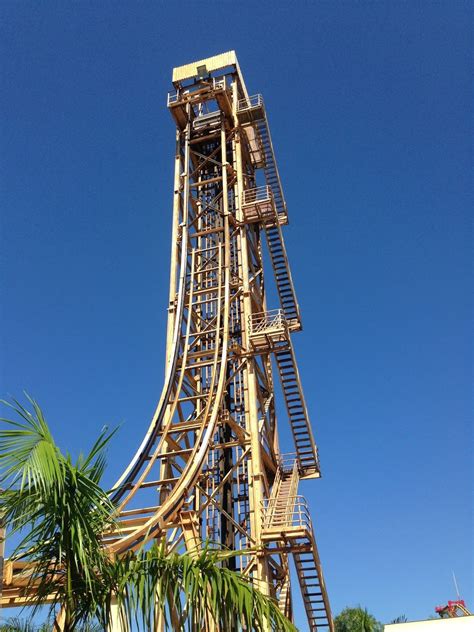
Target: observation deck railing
218,84
258,194
258,205
263,321
250,103
173,97
268,329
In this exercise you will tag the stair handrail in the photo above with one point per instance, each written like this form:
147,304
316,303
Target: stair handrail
286,461
294,480
297,516
270,507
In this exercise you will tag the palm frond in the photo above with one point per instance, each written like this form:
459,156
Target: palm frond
190,590
58,507
16,624
61,512
28,453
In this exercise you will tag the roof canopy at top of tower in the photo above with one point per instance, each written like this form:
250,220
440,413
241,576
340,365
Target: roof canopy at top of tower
197,69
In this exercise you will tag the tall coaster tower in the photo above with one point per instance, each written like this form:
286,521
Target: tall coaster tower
210,466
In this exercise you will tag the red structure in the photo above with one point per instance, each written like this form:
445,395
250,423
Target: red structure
453,609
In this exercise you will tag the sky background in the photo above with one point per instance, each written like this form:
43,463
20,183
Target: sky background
369,107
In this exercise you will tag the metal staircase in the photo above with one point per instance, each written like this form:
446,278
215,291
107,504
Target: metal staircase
271,170
313,589
252,116
251,111
283,493
284,282
287,522
269,333
306,449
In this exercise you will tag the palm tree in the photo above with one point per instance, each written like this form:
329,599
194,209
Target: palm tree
191,592
400,619
59,510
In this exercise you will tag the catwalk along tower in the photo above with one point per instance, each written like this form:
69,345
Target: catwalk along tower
210,466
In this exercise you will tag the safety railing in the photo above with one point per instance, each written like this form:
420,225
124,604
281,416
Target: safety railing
249,103
210,119
293,513
173,97
261,321
259,194
218,83
286,462
258,205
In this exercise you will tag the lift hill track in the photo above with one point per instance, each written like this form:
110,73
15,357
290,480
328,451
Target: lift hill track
210,465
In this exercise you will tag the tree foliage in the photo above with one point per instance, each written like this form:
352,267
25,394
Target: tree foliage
191,591
59,511
18,624
356,619
400,619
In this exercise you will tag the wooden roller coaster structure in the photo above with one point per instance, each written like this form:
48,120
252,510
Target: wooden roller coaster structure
210,466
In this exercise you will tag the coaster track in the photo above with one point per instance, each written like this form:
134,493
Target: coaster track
210,465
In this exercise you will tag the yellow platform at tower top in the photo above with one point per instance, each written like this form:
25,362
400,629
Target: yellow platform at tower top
211,64
207,66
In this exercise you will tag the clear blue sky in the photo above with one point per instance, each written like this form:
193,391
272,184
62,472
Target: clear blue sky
369,104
